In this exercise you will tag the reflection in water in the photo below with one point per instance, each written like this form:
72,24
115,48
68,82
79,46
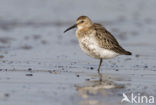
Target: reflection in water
97,92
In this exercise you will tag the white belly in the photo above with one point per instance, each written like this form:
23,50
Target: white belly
90,46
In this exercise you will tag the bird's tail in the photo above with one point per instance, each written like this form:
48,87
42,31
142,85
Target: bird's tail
127,53
120,50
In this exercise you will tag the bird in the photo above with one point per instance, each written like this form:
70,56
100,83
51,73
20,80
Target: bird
96,41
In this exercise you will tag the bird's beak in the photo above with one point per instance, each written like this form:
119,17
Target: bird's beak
74,26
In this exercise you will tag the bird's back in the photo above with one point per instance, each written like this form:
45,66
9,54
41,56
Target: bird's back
107,40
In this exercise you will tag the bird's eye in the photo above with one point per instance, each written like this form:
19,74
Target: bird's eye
82,21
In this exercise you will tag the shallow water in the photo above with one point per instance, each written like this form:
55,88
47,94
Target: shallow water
39,64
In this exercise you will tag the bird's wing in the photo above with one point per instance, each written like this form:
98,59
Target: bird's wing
107,40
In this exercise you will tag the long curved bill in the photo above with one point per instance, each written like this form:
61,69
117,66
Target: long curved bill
74,26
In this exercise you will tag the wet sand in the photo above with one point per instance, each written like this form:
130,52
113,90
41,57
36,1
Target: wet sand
39,64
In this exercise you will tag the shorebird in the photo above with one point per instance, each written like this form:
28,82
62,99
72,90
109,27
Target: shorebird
96,41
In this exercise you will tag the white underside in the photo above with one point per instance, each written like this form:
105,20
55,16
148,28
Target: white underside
94,50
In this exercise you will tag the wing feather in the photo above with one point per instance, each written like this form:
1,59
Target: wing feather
107,40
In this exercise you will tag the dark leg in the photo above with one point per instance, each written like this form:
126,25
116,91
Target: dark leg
100,75
99,66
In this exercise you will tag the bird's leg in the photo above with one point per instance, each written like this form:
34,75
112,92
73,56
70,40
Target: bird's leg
100,75
99,65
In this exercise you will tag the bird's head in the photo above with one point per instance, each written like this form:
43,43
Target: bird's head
81,22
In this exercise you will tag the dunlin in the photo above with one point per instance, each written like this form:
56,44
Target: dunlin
96,41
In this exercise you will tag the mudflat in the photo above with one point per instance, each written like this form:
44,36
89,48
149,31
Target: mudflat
40,65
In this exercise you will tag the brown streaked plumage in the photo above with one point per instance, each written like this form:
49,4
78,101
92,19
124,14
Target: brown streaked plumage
107,40
96,41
